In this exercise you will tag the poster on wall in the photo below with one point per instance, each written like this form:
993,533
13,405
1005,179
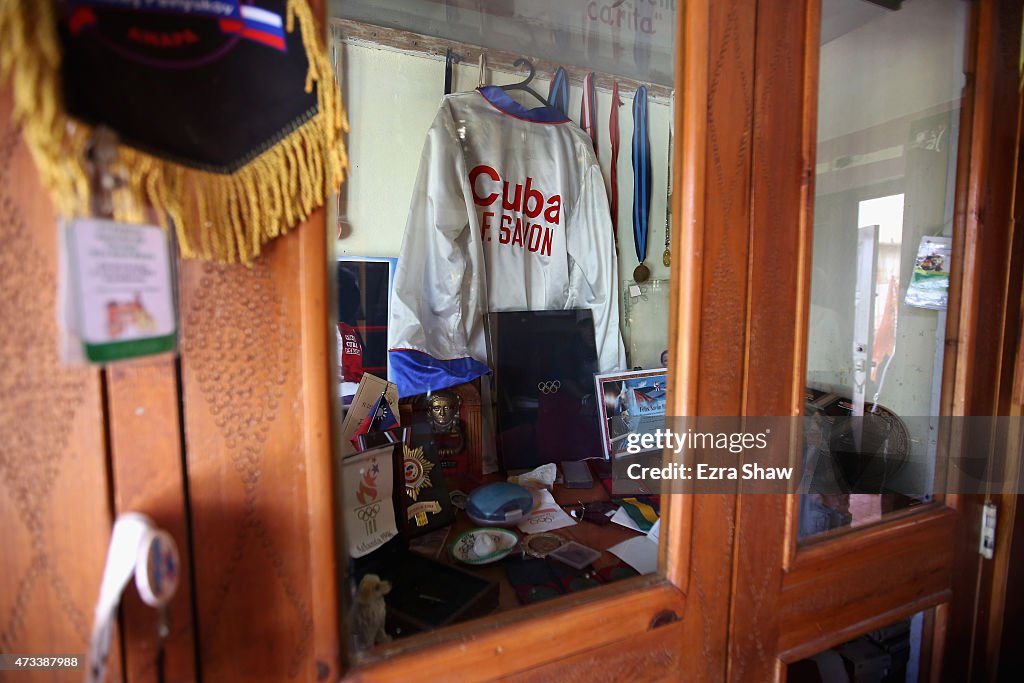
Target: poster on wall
929,284
364,300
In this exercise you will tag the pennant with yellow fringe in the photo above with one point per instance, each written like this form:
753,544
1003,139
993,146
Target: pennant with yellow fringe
228,114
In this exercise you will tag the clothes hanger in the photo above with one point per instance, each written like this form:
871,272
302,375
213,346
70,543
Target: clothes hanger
524,84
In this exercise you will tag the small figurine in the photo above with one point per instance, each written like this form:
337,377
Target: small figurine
443,411
369,612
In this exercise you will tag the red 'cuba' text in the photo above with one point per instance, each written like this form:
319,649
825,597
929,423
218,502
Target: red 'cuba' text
521,205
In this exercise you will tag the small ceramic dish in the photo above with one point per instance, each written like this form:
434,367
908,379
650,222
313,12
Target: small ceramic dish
483,546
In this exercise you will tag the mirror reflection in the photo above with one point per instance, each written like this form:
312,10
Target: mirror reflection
890,87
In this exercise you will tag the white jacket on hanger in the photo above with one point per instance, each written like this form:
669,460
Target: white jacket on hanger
509,212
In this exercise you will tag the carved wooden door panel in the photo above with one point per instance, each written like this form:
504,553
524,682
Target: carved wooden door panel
254,373
54,492
80,445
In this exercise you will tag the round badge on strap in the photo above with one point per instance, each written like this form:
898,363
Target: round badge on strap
158,568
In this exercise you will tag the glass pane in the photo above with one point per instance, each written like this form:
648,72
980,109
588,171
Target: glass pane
479,272
888,116
891,654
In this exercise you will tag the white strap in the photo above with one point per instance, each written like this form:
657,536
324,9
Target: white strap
136,549
482,63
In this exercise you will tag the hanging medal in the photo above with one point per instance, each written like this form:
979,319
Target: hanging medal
666,256
641,183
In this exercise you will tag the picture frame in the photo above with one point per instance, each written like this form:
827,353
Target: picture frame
364,286
630,402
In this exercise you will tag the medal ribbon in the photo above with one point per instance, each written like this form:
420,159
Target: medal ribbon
558,94
641,174
588,108
613,136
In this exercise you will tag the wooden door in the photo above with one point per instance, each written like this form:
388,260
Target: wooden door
793,599
242,474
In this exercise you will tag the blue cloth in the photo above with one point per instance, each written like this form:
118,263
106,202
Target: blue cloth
416,372
500,100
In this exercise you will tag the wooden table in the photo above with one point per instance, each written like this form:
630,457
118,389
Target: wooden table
586,533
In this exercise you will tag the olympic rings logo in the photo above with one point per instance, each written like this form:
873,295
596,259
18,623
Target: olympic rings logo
368,512
549,387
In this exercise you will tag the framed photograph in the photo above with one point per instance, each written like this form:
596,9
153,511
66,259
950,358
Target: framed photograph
630,403
364,304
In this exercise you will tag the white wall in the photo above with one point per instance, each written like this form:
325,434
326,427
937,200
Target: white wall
900,63
391,98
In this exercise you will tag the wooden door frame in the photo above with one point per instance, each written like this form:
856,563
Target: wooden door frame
1006,597
829,592
610,632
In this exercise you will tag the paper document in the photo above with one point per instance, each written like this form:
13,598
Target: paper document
640,553
547,515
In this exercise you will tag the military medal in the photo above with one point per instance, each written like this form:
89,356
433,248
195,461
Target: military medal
417,471
641,183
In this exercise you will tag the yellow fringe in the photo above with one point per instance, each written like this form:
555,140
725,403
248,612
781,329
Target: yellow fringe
220,217
30,58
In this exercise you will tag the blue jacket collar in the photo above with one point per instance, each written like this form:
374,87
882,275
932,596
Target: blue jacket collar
500,100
